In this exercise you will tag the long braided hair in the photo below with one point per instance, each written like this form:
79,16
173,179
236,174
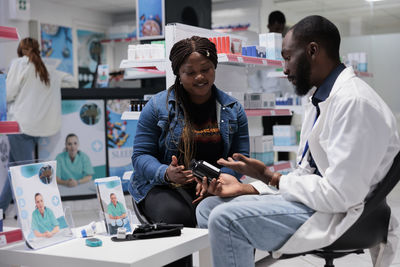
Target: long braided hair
179,53
30,47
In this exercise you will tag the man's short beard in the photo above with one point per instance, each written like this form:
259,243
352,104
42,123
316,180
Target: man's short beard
303,73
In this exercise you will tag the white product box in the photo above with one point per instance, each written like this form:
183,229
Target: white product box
263,143
259,100
261,148
273,43
284,135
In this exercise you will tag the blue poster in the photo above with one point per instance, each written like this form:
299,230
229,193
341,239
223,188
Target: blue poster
120,136
57,43
3,99
90,54
150,19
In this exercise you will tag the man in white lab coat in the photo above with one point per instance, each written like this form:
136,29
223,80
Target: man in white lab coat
348,141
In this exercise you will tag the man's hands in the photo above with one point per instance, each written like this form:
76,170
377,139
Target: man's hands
226,186
248,166
177,174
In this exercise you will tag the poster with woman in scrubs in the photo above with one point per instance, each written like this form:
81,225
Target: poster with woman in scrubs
39,207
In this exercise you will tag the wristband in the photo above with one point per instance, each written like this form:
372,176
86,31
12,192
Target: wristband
166,178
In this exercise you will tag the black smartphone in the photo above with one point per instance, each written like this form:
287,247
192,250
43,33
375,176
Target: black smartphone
201,168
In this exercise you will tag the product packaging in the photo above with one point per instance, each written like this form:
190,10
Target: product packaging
284,135
273,44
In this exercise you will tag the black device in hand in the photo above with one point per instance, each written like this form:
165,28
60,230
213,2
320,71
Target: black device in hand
201,168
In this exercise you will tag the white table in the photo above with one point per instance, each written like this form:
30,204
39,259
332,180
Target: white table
146,253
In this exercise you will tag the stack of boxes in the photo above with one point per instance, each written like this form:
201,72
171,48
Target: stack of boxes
155,50
261,148
273,44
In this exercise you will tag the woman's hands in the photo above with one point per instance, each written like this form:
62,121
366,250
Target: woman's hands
177,174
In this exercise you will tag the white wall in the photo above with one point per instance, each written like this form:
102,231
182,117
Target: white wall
383,62
49,12
237,12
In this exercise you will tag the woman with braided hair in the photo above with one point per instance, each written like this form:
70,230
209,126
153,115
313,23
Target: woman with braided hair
34,101
193,119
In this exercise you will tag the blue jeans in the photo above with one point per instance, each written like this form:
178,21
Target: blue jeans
238,225
21,152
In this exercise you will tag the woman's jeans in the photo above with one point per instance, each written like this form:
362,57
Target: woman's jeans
21,152
238,225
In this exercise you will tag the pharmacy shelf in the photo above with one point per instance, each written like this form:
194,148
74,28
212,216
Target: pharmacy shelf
143,73
8,34
298,109
279,166
268,112
130,115
245,60
118,40
276,74
364,74
9,127
286,148
280,74
160,64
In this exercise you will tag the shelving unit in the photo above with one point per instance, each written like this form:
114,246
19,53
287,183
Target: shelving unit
143,73
9,127
160,64
8,34
267,112
280,74
118,40
286,148
130,115
245,60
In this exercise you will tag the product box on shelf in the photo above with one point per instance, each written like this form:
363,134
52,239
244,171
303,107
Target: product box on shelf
261,148
254,51
146,51
236,45
284,135
273,44
259,100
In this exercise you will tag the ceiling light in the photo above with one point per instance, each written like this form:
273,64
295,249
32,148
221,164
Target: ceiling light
373,0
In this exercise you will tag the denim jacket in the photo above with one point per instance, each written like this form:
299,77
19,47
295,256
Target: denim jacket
155,143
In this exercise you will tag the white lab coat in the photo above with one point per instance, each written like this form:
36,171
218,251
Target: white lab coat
353,144
36,107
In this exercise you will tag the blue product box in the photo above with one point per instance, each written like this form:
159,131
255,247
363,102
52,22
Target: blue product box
3,99
266,157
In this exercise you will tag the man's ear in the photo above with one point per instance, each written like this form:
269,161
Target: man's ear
313,50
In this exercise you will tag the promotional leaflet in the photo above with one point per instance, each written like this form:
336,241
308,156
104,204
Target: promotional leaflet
39,207
112,204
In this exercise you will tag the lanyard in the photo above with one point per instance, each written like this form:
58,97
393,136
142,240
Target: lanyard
306,146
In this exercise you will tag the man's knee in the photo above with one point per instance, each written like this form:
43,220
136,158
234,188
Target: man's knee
219,218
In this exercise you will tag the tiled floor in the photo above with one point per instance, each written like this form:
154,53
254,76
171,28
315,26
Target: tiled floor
90,213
